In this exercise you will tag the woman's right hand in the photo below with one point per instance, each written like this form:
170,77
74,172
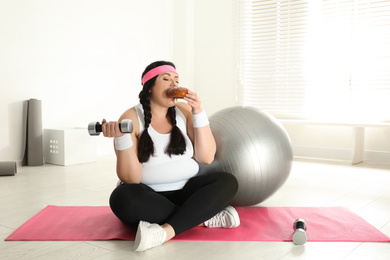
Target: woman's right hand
111,129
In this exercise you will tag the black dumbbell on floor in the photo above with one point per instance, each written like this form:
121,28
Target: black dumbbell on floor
95,128
299,237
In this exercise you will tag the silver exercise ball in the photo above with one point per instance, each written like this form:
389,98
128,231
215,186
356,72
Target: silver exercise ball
254,147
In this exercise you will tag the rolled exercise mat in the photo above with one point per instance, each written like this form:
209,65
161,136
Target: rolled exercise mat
8,168
24,134
34,139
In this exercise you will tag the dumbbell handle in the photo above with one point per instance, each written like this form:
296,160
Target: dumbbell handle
95,128
300,225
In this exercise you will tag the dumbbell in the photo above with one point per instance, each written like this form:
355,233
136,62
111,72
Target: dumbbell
299,237
95,128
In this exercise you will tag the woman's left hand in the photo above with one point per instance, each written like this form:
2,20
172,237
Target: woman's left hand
194,101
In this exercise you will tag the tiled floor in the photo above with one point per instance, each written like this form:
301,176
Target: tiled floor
364,188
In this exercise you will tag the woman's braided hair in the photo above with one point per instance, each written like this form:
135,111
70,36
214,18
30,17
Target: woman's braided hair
177,143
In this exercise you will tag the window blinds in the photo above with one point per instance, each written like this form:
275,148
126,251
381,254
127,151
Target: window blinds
315,59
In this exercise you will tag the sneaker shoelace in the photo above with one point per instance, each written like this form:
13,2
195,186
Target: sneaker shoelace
157,237
218,220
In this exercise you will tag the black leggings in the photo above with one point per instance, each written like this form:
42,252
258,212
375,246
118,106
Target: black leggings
200,199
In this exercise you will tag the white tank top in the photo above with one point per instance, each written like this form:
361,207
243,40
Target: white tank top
161,172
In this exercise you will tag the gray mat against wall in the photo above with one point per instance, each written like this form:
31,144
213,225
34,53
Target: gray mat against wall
33,154
8,168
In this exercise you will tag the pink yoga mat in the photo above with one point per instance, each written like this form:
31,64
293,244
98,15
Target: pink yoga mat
257,224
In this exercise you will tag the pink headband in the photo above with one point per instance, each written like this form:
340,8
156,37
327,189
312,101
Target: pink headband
157,71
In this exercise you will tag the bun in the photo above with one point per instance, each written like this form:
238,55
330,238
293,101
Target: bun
177,92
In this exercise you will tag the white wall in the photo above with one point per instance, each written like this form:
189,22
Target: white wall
204,51
215,72
83,59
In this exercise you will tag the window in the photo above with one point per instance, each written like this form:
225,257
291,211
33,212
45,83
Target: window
323,60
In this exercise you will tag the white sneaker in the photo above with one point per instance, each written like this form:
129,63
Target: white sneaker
148,236
227,218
